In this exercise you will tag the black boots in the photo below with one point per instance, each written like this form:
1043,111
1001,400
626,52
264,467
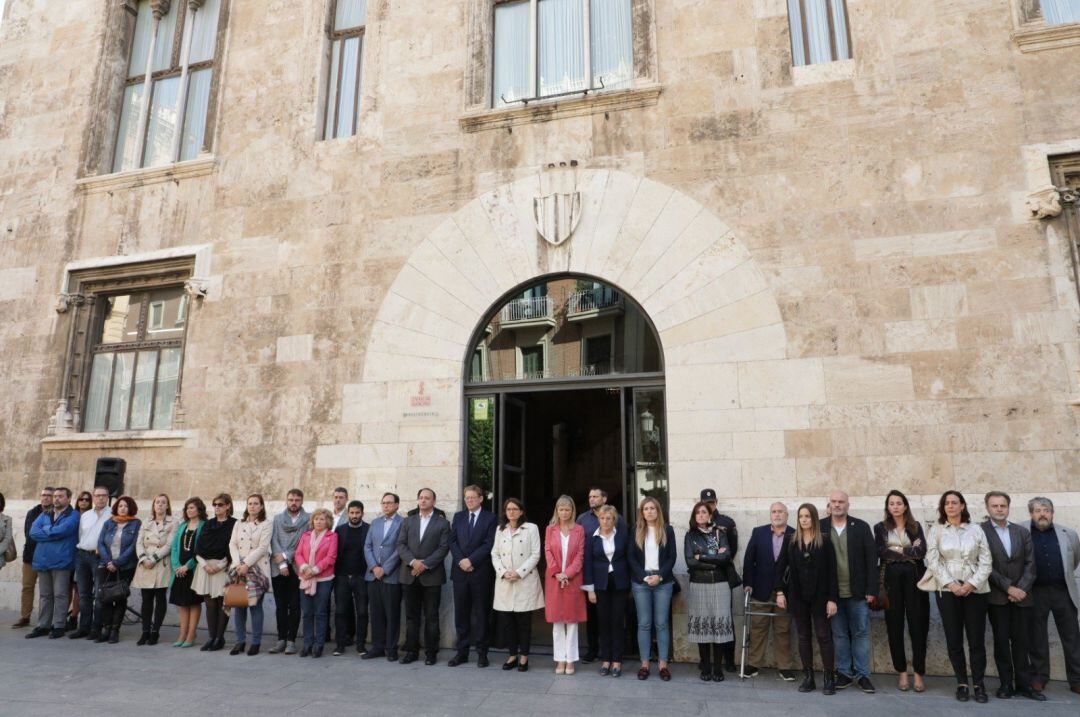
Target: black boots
705,662
145,638
114,635
719,660
154,635
808,684
829,686
103,636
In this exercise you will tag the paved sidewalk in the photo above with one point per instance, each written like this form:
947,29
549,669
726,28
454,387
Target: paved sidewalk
55,678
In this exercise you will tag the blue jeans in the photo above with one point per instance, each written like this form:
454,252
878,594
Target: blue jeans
315,611
86,578
653,605
851,636
240,622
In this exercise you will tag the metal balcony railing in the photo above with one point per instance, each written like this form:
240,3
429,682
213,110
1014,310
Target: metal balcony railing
593,300
540,307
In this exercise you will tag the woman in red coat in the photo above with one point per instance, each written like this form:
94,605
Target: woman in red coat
564,603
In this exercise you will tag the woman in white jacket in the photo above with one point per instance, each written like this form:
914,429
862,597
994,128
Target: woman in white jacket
958,556
518,592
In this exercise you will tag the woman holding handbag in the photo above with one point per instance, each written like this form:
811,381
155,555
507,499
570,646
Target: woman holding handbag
249,549
152,573
316,555
564,603
958,565
212,569
901,549
116,565
518,593
709,597
182,562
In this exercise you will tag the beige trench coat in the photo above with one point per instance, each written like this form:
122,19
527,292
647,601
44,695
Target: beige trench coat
520,553
154,543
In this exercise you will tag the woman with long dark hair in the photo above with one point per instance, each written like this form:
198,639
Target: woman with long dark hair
959,557
901,548
182,562
809,590
518,593
153,573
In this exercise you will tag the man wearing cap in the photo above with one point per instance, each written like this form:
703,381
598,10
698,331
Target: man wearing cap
726,525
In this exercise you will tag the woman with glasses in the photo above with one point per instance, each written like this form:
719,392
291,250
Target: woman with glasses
83,503
182,562
212,569
518,593
152,574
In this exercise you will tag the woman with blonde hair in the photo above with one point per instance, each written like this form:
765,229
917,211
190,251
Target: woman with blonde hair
212,569
809,590
652,582
607,581
153,572
564,602
316,555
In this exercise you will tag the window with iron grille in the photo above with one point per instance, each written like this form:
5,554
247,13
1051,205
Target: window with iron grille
819,31
346,30
135,361
164,115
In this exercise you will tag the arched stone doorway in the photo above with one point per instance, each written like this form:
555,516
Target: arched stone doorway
712,308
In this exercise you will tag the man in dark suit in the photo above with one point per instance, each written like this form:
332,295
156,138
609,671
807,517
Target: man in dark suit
1056,591
472,535
350,587
1010,600
760,579
423,544
857,577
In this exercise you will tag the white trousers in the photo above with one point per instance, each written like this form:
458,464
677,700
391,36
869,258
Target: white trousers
564,637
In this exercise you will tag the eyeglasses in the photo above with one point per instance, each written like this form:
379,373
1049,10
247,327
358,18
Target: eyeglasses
221,505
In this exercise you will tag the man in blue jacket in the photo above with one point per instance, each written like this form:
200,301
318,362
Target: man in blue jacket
55,533
472,535
760,579
384,590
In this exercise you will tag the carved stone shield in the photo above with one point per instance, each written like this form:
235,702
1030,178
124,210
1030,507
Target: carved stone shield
557,215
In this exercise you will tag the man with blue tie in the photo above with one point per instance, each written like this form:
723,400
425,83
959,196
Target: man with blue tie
472,535
384,591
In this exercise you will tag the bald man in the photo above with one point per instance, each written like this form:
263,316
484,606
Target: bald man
759,579
857,576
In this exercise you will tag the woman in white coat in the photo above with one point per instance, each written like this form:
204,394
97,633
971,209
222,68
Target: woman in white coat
518,591
154,570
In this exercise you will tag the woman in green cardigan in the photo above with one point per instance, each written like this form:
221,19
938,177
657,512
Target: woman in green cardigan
183,570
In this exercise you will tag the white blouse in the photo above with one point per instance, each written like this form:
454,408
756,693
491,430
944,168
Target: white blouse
652,550
565,540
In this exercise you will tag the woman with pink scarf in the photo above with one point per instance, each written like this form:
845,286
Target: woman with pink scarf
315,557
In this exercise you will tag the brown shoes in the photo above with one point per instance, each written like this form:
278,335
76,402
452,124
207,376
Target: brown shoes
21,622
1075,688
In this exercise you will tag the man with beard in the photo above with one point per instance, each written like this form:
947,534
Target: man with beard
1057,555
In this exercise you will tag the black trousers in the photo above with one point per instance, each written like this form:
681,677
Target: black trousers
351,608
1054,600
422,602
472,607
960,617
385,603
517,629
592,629
287,604
906,602
1010,624
811,621
113,615
611,614
154,603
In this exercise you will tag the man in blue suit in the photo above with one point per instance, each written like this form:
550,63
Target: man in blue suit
472,535
760,579
384,591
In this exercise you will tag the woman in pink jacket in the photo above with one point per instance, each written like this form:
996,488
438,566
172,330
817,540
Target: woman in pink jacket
564,603
316,554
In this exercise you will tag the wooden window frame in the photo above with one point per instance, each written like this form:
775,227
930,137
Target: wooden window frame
175,69
333,94
805,31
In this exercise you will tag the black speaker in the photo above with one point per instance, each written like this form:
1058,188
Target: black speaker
110,473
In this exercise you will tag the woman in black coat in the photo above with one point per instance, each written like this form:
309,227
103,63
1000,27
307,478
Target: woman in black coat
808,589
708,601
901,548
607,582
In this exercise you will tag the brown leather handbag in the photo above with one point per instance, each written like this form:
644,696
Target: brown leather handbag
236,594
881,600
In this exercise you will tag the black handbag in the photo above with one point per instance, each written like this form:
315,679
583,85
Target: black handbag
114,591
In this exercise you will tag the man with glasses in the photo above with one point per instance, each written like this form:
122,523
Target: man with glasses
86,560
29,577
288,526
55,531
384,590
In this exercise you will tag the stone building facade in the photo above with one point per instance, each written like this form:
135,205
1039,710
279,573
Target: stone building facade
861,270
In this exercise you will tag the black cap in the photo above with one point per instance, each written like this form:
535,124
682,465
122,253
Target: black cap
708,495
